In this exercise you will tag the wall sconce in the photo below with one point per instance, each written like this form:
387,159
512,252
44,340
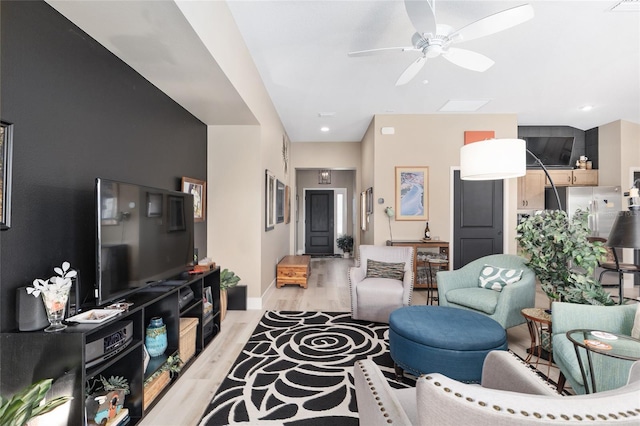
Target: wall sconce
324,177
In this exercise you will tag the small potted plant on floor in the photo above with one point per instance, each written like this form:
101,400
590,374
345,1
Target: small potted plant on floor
228,279
345,243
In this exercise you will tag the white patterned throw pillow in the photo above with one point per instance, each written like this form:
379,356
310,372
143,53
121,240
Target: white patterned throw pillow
495,278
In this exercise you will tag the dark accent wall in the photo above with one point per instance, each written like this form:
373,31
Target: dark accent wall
79,113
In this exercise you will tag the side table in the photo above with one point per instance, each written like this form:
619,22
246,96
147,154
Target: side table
603,343
539,324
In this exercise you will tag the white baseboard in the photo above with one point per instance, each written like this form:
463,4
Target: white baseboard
256,303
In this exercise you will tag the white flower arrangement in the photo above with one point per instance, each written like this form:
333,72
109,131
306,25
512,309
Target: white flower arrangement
57,284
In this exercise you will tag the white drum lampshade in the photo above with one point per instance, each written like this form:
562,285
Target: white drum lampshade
493,159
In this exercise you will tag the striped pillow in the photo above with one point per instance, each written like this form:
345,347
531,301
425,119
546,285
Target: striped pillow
376,269
495,278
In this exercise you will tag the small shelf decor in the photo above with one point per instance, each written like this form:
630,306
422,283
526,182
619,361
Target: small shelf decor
55,294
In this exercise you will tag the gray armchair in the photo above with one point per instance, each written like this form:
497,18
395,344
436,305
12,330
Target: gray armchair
610,373
459,289
373,299
510,394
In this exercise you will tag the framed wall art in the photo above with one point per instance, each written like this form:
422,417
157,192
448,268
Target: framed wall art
412,193
287,204
6,155
269,201
198,188
363,211
279,202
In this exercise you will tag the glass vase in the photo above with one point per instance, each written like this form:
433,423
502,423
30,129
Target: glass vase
55,303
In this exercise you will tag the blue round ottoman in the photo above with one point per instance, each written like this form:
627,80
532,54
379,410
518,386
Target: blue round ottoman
440,339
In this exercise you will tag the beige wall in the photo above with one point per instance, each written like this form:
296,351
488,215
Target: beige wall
618,153
367,181
234,194
433,141
245,159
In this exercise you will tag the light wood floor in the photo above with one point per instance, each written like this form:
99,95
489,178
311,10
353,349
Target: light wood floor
328,290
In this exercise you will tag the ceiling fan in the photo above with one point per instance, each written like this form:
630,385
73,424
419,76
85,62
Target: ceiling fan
433,40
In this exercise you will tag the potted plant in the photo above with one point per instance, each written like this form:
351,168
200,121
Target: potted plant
562,257
228,279
104,398
345,243
27,404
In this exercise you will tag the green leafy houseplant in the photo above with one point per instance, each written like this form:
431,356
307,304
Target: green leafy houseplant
562,257
26,404
173,365
102,384
345,243
228,279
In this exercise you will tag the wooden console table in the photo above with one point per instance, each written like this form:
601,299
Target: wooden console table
420,264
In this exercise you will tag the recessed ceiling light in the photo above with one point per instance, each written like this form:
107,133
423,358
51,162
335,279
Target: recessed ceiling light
468,105
586,108
324,129
425,81
326,114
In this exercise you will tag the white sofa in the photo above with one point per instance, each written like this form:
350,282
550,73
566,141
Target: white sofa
510,394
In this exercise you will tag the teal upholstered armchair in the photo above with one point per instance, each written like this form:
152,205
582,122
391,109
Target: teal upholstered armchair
610,373
459,289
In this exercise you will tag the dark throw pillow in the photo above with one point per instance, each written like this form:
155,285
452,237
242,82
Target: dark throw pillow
376,269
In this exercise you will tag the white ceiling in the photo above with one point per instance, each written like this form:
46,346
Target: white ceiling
572,53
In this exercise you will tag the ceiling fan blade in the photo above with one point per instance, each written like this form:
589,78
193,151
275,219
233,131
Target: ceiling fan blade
467,59
422,15
411,71
381,50
493,23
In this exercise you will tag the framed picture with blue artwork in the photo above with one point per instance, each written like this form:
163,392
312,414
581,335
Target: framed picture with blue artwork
412,193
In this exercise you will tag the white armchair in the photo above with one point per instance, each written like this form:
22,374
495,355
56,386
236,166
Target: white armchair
510,394
373,299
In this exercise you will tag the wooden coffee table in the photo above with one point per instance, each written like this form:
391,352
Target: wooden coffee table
293,270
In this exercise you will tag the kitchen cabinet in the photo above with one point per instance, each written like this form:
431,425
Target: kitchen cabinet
531,190
578,177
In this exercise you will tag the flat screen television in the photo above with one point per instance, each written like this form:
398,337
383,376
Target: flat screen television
144,236
553,151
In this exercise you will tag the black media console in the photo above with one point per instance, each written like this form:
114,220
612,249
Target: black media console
27,357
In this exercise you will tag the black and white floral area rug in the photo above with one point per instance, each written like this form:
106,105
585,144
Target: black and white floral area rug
297,369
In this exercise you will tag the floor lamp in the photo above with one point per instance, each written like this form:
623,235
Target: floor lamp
625,233
493,159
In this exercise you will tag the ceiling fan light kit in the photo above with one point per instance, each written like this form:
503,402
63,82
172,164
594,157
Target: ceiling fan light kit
433,40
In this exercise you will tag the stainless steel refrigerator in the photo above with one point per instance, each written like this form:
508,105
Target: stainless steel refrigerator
601,202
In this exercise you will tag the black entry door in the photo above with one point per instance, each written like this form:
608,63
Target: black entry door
477,219
319,222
